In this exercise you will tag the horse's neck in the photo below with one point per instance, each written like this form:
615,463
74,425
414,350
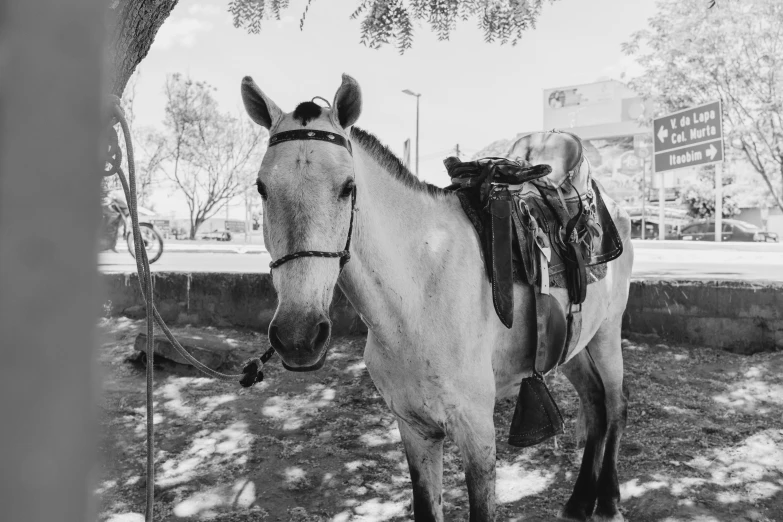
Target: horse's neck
399,235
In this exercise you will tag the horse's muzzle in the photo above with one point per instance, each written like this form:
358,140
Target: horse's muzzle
301,346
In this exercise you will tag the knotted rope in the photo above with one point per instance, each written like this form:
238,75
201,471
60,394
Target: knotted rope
252,369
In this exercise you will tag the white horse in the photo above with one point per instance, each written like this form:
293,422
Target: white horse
436,350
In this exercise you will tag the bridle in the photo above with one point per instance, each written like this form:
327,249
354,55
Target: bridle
330,137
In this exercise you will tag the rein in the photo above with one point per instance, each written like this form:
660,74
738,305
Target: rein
329,137
252,371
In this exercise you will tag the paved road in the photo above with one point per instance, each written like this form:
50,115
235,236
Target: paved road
700,263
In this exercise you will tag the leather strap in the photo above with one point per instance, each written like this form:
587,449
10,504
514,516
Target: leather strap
574,328
305,134
502,276
526,240
576,273
329,137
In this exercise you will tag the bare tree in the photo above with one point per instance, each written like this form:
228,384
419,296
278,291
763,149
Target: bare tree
149,151
732,52
210,155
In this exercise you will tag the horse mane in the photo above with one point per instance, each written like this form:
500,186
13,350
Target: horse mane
392,163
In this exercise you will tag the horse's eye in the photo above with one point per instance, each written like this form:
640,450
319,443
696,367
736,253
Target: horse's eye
347,189
261,189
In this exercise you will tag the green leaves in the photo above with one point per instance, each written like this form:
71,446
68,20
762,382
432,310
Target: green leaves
386,22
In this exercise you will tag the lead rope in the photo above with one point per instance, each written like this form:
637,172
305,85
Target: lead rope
252,370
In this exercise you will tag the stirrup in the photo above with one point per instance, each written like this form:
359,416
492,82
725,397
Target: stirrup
536,416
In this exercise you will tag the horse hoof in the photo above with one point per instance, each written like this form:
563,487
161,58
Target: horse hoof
567,515
607,518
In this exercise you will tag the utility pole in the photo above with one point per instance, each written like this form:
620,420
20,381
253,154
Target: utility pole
644,197
662,209
719,202
457,150
417,95
247,216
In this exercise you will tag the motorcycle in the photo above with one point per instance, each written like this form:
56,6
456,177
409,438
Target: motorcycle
117,223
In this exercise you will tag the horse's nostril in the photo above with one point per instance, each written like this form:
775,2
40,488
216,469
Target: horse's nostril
274,339
287,339
323,330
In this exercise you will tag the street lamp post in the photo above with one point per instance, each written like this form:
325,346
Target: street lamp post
408,91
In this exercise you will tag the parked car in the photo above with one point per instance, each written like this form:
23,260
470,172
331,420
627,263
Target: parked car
733,230
217,235
651,230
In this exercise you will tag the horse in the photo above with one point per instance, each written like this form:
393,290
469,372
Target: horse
341,210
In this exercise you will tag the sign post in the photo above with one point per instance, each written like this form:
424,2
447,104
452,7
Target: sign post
718,202
661,209
642,145
689,138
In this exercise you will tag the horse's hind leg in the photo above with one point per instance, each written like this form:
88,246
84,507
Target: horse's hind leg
606,351
424,452
582,374
597,375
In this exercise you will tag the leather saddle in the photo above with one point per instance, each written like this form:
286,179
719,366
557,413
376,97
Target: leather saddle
542,222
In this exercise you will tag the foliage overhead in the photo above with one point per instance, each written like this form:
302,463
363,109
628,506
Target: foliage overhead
732,52
387,21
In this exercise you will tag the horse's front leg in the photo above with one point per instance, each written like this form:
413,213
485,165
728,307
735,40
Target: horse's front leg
474,432
424,451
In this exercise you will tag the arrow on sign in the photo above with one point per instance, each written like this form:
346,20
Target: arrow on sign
711,152
663,133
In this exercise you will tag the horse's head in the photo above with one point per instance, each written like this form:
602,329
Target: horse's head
306,182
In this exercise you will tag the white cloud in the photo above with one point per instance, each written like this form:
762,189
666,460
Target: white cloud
181,33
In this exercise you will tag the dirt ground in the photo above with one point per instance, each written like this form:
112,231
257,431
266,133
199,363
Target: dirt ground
704,442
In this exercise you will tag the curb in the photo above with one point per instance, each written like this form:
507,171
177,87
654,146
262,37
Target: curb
706,245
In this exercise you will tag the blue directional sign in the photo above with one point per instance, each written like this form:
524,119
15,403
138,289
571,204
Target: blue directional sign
688,138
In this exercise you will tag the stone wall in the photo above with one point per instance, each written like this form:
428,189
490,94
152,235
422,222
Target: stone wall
736,316
217,299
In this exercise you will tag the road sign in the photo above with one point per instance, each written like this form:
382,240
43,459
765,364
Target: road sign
688,138
700,154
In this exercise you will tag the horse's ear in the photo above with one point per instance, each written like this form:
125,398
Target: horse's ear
347,104
258,105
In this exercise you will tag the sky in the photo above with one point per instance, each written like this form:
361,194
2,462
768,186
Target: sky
472,92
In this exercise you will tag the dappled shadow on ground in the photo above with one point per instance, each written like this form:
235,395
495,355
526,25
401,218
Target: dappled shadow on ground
704,442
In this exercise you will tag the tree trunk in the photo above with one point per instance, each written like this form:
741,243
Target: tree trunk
133,25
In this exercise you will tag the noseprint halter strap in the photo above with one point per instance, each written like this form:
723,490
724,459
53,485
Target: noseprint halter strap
330,137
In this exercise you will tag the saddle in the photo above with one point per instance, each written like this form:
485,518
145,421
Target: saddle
544,225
